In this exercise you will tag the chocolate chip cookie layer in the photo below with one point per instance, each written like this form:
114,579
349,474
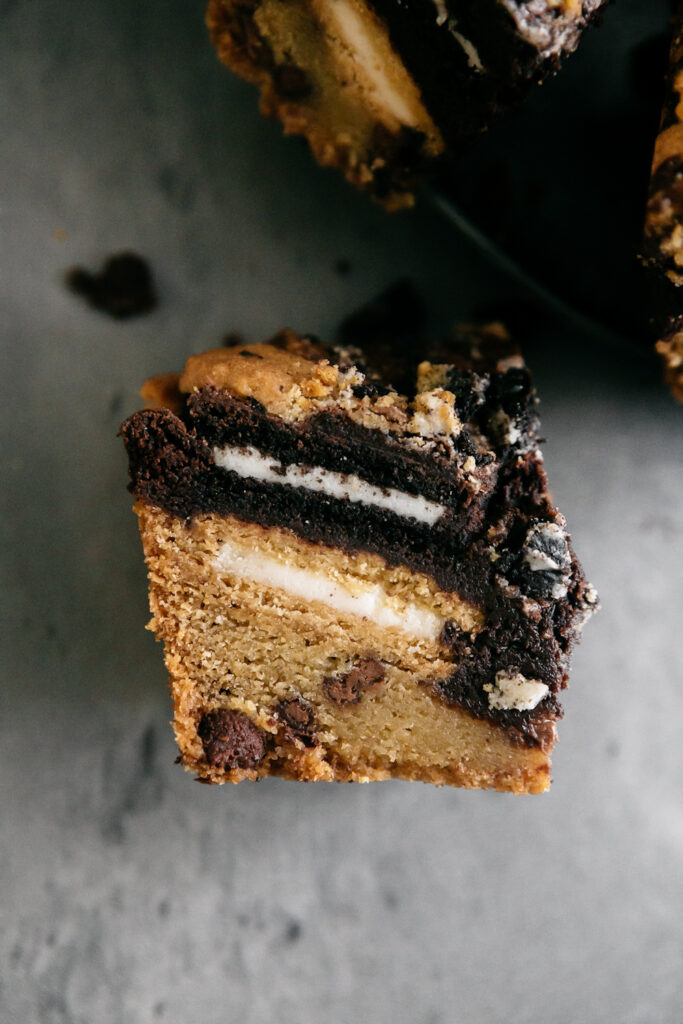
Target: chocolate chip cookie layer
383,88
350,582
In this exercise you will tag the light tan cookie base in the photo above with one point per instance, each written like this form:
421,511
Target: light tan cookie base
234,644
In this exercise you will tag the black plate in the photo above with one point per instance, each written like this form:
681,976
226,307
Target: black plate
557,189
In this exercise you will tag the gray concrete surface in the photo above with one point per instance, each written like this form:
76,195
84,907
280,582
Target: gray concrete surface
131,894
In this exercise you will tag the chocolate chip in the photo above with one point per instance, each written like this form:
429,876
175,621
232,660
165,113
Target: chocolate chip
349,688
231,740
298,718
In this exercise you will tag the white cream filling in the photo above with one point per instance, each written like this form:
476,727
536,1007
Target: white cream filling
538,561
252,465
367,601
344,21
513,691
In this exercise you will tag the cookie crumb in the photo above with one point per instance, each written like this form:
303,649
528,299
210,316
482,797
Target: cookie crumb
350,687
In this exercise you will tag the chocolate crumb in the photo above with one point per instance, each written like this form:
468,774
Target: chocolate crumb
231,740
123,288
298,718
349,688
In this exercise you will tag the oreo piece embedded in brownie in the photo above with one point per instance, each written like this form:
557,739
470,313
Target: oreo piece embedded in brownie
383,88
352,583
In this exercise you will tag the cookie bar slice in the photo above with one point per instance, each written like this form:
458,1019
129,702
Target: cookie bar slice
352,583
382,88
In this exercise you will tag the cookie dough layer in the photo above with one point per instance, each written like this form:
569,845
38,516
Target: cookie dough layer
234,645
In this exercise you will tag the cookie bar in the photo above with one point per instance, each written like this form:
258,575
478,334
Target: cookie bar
383,88
353,583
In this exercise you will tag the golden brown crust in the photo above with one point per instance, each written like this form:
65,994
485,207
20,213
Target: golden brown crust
275,377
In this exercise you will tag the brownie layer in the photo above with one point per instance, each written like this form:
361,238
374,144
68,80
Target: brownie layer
172,466
174,469
336,443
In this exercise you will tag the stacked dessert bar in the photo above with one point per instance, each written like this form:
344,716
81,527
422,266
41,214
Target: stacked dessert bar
350,582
